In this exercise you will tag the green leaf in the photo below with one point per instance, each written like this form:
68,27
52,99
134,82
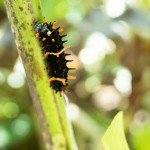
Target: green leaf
114,138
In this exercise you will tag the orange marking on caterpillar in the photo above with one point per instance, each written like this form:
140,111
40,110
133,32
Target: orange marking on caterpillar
51,79
44,20
66,47
57,54
60,30
44,39
47,53
58,79
53,25
62,80
71,77
53,40
37,34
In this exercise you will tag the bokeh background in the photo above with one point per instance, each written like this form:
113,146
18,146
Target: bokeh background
110,43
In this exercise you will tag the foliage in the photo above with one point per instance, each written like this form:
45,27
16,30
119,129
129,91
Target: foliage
112,62
114,137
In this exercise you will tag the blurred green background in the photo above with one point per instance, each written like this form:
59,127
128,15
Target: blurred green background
110,43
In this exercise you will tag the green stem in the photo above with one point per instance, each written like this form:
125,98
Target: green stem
50,108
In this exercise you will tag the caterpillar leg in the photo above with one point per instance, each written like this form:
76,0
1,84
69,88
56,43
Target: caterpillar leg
60,93
66,89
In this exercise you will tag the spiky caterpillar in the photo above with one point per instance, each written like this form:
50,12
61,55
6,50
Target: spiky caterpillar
54,52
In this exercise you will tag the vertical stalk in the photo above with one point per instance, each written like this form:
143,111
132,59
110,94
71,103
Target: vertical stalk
50,108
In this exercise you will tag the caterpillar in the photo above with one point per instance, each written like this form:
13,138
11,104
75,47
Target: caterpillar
54,53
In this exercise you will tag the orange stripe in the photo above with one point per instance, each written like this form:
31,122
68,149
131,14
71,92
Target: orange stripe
51,79
71,77
66,47
47,53
58,79
57,54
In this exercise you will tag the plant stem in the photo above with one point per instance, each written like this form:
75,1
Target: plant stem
50,108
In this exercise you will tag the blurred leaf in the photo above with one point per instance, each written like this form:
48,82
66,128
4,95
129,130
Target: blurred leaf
114,137
144,3
17,130
54,9
1,4
96,21
136,18
140,137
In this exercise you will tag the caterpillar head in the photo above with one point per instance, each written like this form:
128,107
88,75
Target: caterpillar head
40,27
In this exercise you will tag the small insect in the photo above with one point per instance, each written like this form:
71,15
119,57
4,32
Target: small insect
54,53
